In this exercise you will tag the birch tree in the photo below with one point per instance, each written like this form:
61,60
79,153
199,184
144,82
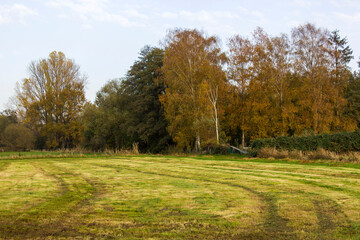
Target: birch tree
193,76
319,63
240,74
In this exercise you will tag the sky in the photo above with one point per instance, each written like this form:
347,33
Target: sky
104,37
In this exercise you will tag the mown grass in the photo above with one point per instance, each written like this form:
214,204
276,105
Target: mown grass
39,154
167,197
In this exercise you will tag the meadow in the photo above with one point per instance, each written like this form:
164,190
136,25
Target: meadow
168,197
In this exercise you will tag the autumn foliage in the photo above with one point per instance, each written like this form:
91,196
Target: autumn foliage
195,83
287,86
193,94
51,99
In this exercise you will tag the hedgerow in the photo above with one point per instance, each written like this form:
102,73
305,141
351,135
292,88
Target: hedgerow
337,142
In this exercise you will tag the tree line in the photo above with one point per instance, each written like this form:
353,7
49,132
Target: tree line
190,93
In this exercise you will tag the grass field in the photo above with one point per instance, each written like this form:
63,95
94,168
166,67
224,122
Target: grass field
41,154
160,197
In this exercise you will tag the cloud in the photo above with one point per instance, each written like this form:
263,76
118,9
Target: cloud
169,15
349,4
15,13
134,13
305,3
259,16
214,21
351,18
90,11
201,16
294,23
348,12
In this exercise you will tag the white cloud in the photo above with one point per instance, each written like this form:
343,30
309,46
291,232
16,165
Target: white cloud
201,16
259,16
351,18
90,11
15,13
134,13
305,3
352,4
169,15
294,23
213,21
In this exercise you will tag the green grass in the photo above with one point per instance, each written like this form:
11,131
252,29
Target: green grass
50,154
31,153
167,197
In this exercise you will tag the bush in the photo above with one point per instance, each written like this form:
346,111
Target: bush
338,142
18,137
216,149
319,154
272,153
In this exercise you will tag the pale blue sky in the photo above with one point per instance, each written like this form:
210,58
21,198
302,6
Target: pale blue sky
105,36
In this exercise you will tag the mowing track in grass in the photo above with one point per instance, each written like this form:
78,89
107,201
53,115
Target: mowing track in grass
177,198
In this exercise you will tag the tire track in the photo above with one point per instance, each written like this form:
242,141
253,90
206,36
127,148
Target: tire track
4,165
287,176
57,216
274,225
320,205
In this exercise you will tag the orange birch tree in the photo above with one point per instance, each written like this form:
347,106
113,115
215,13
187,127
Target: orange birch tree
193,75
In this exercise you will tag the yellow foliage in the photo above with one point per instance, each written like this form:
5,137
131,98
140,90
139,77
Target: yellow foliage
52,98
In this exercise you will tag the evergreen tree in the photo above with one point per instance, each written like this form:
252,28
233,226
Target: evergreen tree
353,98
128,110
145,120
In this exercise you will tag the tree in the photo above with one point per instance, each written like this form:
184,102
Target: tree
7,117
240,74
352,95
320,59
311,47
340,52
18,137
94,137
261,100
50,100
283,87
341,77
278,51
142,87
194,78
104,120
259,73
128,110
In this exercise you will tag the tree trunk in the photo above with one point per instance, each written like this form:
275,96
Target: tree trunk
216,125
197,143
213,98
242,138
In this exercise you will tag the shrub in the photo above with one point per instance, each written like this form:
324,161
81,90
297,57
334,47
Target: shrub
267,152
216,149
338,142
18,137
319,154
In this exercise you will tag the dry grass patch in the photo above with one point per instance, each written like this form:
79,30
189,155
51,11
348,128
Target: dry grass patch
320,154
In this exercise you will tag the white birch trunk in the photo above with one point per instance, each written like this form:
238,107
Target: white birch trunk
213,97
197,143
